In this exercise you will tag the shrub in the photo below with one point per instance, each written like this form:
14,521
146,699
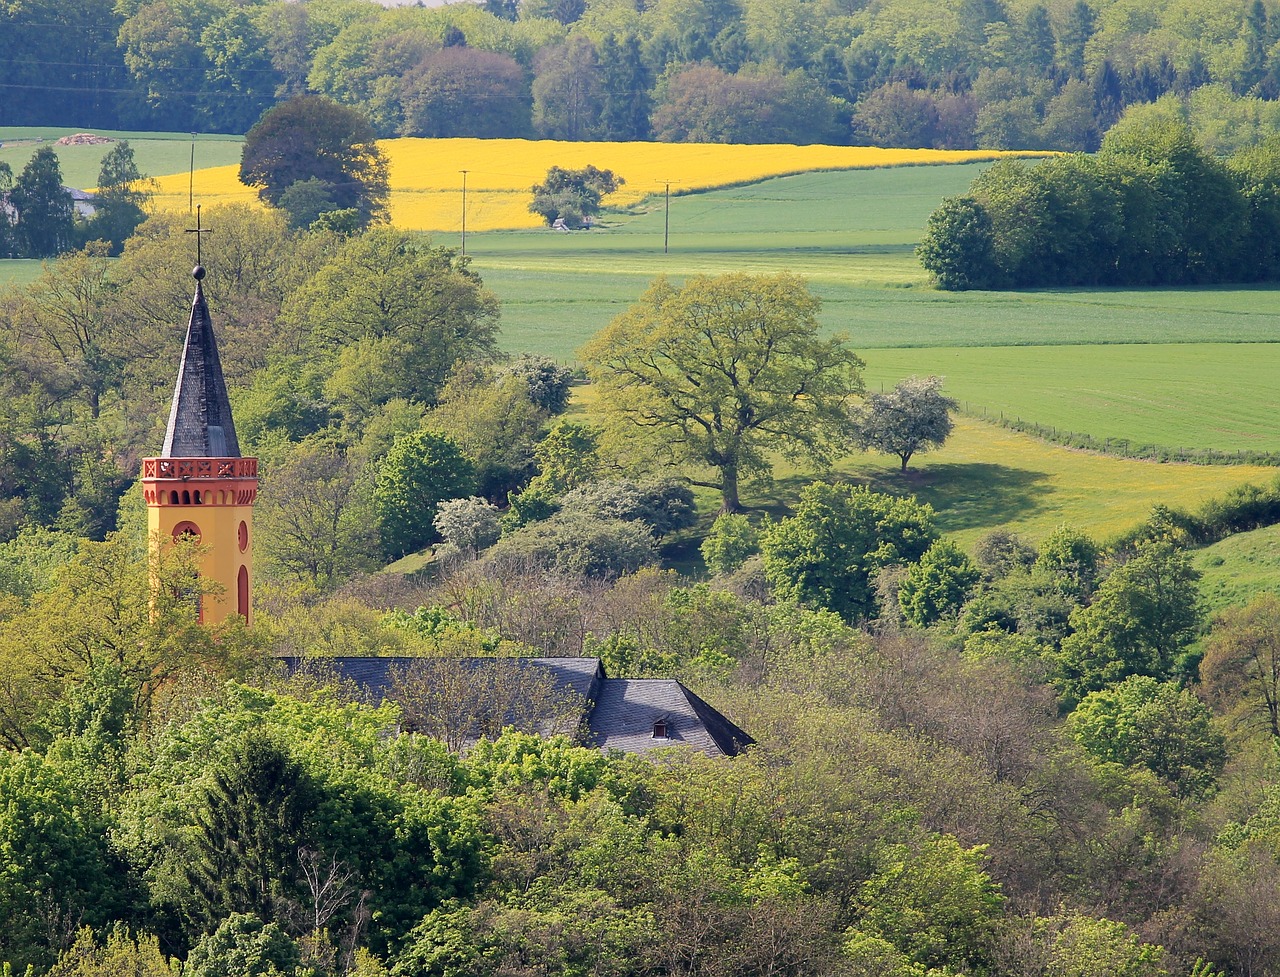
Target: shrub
578,543
730,542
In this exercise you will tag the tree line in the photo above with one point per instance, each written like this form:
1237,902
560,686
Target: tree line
899,73
38,218
1152,208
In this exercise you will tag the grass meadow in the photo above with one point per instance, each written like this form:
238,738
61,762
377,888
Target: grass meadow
156,153
1240,568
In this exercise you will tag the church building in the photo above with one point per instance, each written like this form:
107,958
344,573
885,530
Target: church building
200,486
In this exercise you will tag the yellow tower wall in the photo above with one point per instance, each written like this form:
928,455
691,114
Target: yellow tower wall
211,498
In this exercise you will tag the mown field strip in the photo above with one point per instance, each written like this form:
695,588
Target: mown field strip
1207,395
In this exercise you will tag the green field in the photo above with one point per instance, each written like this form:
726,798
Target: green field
1178,368
852,234
1240,568
1211,395
18,271
156,153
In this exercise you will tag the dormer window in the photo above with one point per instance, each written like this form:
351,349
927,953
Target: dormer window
660,729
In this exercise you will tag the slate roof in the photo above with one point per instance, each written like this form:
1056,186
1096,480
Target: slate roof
628,710
621,713
200,424
373,675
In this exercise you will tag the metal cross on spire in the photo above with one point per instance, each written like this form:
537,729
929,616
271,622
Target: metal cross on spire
198,231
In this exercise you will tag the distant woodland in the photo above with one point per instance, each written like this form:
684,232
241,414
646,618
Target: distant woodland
908,73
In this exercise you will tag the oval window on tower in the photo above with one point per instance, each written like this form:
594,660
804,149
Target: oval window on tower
244,535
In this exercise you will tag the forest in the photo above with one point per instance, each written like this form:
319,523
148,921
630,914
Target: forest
1025,757
1012,74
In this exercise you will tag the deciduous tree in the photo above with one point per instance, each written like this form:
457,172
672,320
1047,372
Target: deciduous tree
725,370
914,416
420,471
573,196
840,536
1141,619
1241,665
1159,725
313,137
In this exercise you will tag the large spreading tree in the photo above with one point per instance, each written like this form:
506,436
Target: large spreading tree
311,137
725,371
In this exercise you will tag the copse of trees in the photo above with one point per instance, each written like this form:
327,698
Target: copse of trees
1150,208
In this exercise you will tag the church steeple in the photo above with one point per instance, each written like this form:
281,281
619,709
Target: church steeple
200,422
200,486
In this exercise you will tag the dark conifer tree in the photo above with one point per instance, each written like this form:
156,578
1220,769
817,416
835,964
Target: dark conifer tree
46,214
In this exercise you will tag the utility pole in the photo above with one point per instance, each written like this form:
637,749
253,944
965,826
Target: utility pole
191,177
666,220
464,212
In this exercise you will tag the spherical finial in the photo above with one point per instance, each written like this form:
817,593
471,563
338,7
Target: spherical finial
198,273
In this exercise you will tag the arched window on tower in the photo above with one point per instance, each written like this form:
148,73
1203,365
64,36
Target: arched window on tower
242,592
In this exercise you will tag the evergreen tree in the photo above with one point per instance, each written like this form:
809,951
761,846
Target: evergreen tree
46,214
625,110
249,831
122,194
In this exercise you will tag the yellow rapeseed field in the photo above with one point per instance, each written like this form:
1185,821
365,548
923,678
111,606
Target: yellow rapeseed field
426,174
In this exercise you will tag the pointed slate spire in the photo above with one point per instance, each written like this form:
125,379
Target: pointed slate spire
200,424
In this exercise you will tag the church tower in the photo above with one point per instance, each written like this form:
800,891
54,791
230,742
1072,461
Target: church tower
200,486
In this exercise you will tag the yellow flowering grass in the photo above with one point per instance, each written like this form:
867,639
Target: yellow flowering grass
426,174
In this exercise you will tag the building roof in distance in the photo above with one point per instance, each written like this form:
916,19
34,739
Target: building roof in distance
630,715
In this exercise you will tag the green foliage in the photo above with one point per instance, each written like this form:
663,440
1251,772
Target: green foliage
310,137
573,196
730,541
54,860
243,946
1142,617
1151,208
1072,944
494,420
937,586
567,458
120,201
1156,724
249,828
315,518
935,903
829,551
45,210
397,315
724,370
958,246
419,472
121,953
